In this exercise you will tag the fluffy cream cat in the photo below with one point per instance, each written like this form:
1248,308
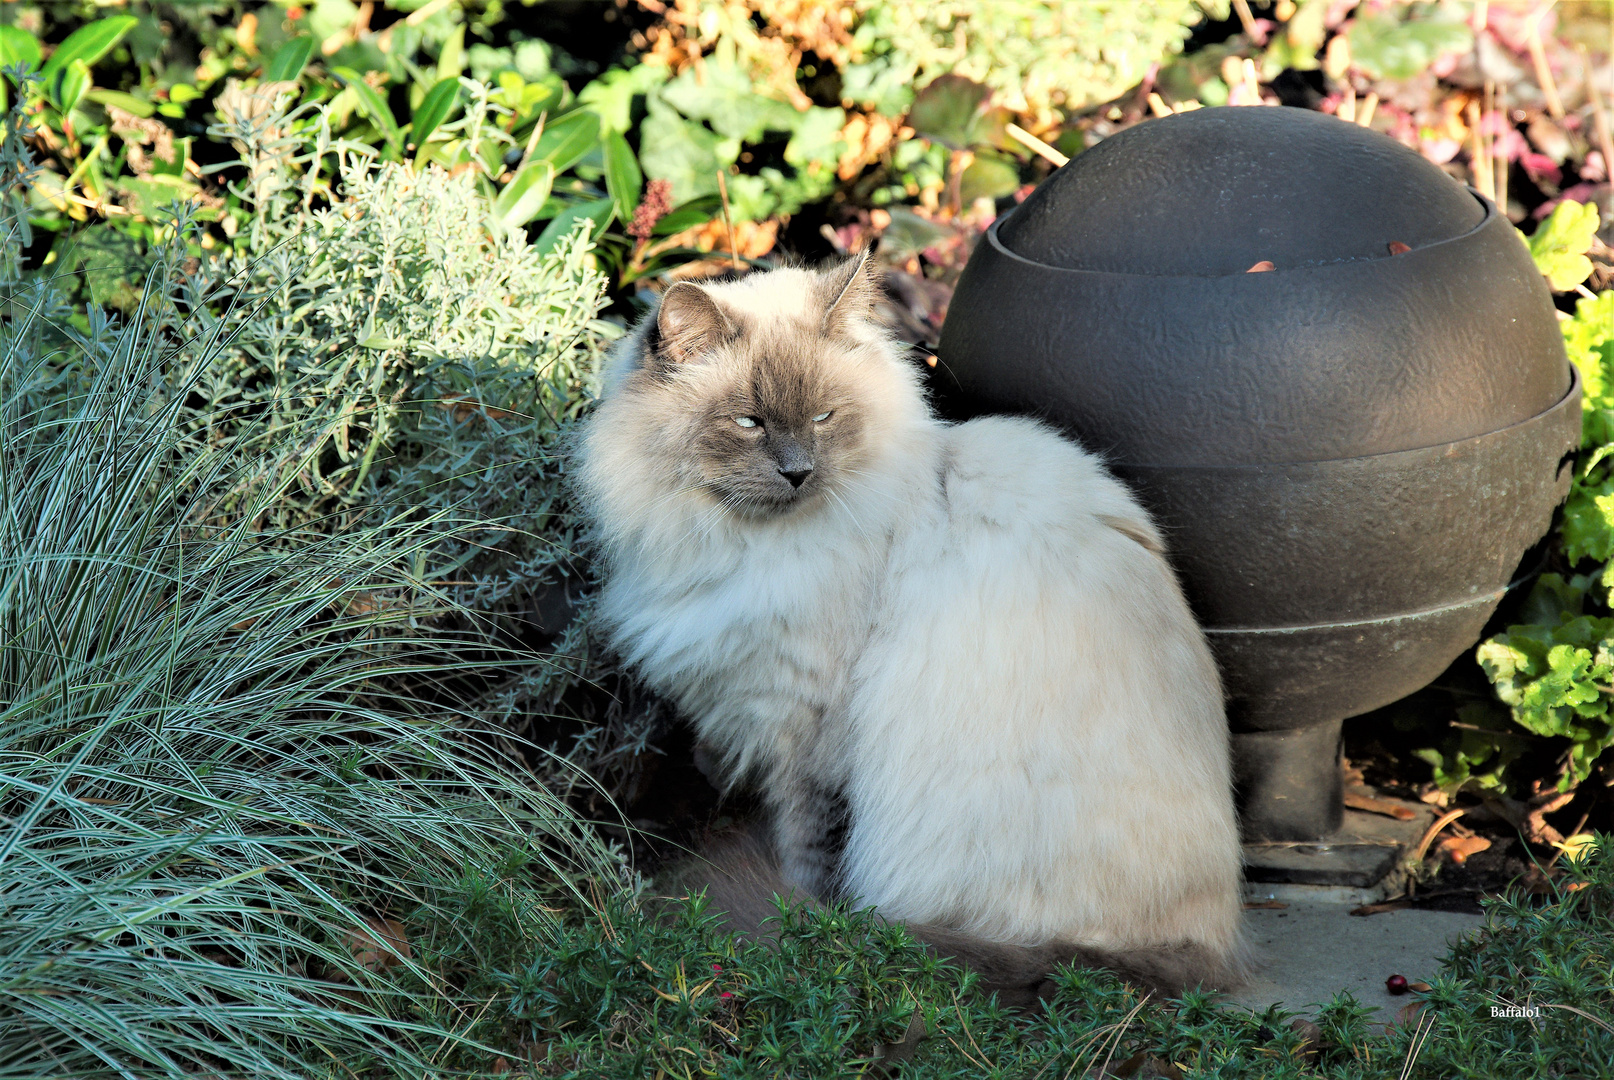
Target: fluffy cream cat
964,634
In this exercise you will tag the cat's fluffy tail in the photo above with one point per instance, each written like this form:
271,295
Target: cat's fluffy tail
741,877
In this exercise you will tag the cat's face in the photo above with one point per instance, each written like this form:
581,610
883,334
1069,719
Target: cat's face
779,428
764,388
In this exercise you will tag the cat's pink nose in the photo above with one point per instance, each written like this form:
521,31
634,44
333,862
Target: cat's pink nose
795,476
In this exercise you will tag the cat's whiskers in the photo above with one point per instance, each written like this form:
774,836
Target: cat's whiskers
707,521
850,481
856,524
668,514
662,500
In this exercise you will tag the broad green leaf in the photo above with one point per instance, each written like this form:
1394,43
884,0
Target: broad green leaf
451,61
726,98
686,153
622,176
289,60
154,194
988,177
1589,340
1560,243
945,110
89,43
1386,47
598,211
118,99
524,195
1297,45
434,108
174,166
567,139
373,104
180,93
66,85
909,234
18,46
1553,599
1588,522
326,17
815,141
883,83
611,95
694,212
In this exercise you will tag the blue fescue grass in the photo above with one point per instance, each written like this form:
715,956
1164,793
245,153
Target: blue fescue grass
224,770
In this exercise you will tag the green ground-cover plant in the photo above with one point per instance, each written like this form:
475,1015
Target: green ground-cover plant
624,993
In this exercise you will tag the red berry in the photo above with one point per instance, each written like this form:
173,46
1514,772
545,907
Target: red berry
1396,984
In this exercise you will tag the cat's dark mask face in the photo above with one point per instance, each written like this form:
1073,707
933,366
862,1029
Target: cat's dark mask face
779,439
780,421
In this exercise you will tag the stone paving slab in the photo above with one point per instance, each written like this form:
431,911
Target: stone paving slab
1311,949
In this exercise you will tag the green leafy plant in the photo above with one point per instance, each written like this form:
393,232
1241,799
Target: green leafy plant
1552,669
702,122
1036,58
1398,44
1559,244
115,161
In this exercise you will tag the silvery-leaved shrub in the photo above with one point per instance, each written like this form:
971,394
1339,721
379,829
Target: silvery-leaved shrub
448,349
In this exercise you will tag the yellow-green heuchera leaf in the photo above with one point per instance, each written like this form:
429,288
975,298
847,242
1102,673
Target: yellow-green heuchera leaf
1560,243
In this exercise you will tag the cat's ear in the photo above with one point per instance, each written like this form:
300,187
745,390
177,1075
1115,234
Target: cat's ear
852,290
690,324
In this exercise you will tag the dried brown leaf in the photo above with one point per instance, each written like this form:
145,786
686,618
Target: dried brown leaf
382,944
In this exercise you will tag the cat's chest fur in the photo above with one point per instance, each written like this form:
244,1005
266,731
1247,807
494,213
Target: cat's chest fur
753,634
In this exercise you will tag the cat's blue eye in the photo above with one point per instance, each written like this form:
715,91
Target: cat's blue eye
746,421
821,417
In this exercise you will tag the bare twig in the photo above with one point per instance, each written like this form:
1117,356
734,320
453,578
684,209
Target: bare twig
1579,825
1120,1031
1364,115
532,140
383,40
1247,21
1499,152
425,11
728,222
1581,1013
1434,831
1479,155
1420,1035
1538,58
1605,140
1358,801
1040,148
